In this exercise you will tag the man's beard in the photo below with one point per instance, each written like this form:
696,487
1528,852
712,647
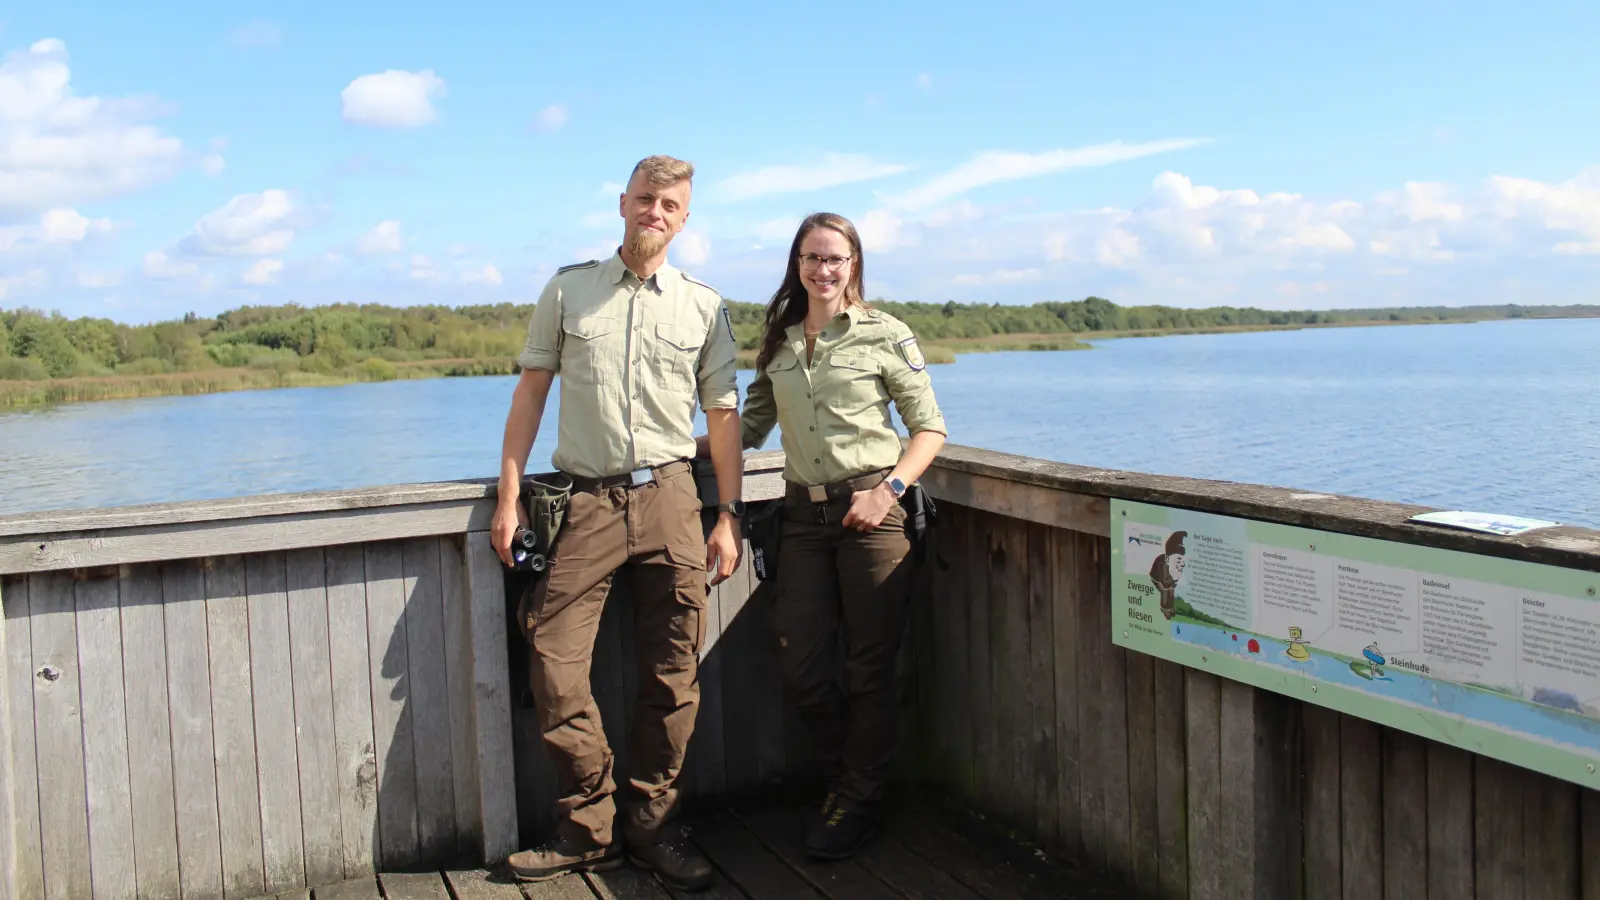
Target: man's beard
647,243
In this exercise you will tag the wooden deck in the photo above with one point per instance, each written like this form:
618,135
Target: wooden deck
921,854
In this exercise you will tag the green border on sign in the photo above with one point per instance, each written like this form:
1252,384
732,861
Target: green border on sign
1476,736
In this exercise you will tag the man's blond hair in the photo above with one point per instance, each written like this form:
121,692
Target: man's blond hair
664,171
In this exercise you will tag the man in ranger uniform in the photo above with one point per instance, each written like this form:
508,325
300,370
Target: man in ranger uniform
635,342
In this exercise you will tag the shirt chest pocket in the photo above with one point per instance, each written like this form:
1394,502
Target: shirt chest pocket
677,350
789,386
852,381
591,349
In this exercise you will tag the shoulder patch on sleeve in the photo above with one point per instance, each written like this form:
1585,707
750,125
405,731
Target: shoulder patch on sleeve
583,265
912,353
727,320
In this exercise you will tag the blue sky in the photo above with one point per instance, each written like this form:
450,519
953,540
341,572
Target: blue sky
160,159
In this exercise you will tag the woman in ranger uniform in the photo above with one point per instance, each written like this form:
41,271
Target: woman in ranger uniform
828,367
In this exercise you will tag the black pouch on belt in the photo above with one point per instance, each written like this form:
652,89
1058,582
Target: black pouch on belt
763,527
545,497
922,514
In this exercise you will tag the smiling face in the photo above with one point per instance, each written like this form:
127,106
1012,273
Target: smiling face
827,262
654,214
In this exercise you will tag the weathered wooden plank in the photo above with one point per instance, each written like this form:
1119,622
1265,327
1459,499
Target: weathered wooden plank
1008,653
478,884
625,884
413,886
1114,715
1171,765
1233,848
980,673
1324,846
1360,809
1551,838
978,867
1143,791
455,600
911,875
1450,817
781,830
954,693
194,772
1094,651
58,718
493,752
429,698
365,888
105,735
1589,847
1405,815
311,662
1065,580
1498,856
750,682
743,859
350,670
233,728
277,757
26,862
1041,632
242,536
757,642
706,759
1023,502
391,708
1208,860
149,718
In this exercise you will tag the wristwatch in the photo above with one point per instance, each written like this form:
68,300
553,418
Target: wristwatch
896,487
733,507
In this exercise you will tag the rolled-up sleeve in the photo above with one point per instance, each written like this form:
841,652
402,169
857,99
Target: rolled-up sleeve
760,413
718,375
542,348
905,373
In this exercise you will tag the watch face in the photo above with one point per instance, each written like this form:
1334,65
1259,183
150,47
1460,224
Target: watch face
736,507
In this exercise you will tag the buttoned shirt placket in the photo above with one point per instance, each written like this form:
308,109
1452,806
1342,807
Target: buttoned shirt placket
798,347
636,363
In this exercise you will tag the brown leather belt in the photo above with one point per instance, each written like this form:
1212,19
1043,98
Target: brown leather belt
636,478
822,495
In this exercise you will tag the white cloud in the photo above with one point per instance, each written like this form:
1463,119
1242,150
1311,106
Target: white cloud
60,149
57,226
159,266
1000,276
213,164
263,272
551,118
384,237
393,99
100,279
834,170
997,166
488,275
691,248
67,225
421,268
880,231
249,225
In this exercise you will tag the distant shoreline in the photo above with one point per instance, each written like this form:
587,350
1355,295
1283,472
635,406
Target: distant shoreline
24,395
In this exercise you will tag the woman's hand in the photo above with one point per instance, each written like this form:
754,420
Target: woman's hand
868,508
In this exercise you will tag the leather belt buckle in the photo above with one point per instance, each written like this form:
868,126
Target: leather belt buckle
641,477
818,493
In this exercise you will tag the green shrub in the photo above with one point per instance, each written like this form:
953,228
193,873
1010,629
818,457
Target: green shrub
13,369
374,369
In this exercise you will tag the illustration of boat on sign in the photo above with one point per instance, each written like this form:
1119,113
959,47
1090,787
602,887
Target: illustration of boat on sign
1373,667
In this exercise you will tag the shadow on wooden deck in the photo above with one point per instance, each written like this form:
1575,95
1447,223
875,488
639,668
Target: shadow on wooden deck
922,853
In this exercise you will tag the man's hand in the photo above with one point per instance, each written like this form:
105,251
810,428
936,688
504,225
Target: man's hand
722,550
868,508
507,516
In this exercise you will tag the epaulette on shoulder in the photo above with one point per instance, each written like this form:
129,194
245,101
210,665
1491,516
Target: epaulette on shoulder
583,265
690,278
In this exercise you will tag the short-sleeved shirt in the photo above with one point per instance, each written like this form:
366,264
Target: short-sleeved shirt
633,357
834,413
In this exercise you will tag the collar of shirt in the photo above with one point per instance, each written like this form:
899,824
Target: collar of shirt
853,313
617,270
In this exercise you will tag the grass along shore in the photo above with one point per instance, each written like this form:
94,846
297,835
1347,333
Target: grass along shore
23,394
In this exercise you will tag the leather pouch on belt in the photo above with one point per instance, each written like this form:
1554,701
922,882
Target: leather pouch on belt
545,497
763,526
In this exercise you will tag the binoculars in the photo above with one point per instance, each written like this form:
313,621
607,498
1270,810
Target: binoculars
524,552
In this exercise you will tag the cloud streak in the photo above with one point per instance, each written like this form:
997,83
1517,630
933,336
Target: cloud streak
996,167
834,170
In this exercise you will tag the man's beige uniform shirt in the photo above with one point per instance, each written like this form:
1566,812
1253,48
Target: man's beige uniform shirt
834,413
633,357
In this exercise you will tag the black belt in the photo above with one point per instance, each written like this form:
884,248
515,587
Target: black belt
636,478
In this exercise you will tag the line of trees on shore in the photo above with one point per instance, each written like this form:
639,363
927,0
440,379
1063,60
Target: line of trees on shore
369,341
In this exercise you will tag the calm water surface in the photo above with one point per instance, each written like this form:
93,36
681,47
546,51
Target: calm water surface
1497,416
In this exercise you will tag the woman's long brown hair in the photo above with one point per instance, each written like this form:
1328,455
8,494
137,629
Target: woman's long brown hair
790,302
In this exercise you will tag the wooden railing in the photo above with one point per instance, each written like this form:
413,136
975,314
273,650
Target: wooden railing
231,698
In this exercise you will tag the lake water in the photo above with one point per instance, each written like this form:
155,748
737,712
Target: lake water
1497,416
